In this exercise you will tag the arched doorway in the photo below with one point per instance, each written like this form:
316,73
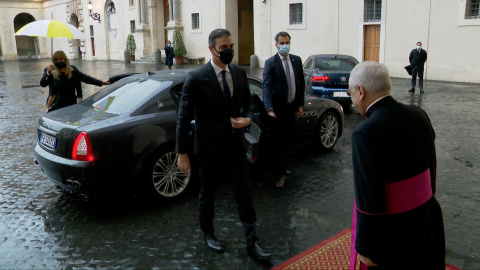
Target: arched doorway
75,43
27,47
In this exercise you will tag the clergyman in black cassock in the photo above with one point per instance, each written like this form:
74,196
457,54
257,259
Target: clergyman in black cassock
399,223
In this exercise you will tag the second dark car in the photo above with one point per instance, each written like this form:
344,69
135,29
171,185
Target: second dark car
123,137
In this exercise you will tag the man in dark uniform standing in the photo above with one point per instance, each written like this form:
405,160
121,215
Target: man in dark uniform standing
418,57
397,223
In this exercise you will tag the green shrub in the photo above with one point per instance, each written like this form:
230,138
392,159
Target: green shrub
131,45
178,45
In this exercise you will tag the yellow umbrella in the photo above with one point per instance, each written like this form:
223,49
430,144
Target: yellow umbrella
50,28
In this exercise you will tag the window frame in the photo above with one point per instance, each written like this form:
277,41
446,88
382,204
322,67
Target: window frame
462,15
468,9
132,26
303,24
376,10
199,29
195,21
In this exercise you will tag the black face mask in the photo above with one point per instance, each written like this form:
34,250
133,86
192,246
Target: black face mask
225,56
60,65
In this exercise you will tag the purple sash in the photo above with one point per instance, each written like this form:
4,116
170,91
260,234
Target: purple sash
401,196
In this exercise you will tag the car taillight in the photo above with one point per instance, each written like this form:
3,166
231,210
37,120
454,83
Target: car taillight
320,78
82,148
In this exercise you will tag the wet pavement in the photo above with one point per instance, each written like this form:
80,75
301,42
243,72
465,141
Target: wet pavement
41,229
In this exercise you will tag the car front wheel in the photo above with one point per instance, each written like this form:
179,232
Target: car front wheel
164,180
327,131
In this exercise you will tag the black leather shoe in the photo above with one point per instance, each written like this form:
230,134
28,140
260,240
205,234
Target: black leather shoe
411,90
258,252
213,244
421,91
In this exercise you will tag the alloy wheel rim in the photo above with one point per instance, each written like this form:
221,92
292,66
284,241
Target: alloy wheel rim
167,179
329,131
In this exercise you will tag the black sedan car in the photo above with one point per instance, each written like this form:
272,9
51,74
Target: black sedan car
123,137
326,76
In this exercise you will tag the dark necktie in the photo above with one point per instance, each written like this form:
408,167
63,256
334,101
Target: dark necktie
226,89
291,95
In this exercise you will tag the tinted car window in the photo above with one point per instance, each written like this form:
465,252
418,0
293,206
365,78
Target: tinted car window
308,64
334,64
129,96
255,87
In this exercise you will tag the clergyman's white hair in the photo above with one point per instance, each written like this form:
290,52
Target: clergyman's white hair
372,75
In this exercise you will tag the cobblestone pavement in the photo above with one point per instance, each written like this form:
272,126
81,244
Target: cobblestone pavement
41,229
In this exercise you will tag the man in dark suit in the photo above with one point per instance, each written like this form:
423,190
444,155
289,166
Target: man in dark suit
397,223
217,96
283,97
417,58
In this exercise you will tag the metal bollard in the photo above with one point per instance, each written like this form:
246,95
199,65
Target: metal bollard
253,61
158,58
126,56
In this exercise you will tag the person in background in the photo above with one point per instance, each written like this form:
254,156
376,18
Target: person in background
169,55
417,58
217,97
397,222
283,97
64,81
51,93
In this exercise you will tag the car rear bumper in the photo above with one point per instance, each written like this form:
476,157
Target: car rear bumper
74,175
339,95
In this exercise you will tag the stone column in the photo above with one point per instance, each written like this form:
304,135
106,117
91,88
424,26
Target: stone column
153,20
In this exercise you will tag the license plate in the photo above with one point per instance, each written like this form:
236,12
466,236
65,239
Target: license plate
340,94
48,140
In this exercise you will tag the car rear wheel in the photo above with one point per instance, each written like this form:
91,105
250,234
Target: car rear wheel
327,131
164,180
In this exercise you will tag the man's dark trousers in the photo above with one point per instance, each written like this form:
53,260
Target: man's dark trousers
417,71
286,122
216,171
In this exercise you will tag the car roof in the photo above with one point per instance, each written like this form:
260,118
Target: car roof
334,56
178,75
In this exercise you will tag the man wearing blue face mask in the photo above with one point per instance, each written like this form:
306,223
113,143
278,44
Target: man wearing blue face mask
283,97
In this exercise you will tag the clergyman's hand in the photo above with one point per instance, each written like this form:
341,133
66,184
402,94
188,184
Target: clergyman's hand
366,260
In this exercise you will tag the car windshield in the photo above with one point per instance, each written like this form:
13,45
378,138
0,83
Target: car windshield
322,64
130,95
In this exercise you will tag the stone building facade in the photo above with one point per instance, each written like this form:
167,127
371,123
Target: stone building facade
380,30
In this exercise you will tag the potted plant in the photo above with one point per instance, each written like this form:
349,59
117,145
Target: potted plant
178,47
131,46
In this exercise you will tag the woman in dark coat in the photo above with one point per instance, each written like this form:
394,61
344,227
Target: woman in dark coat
64,81
169,54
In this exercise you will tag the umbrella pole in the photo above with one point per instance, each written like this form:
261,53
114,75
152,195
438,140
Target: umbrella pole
51,41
